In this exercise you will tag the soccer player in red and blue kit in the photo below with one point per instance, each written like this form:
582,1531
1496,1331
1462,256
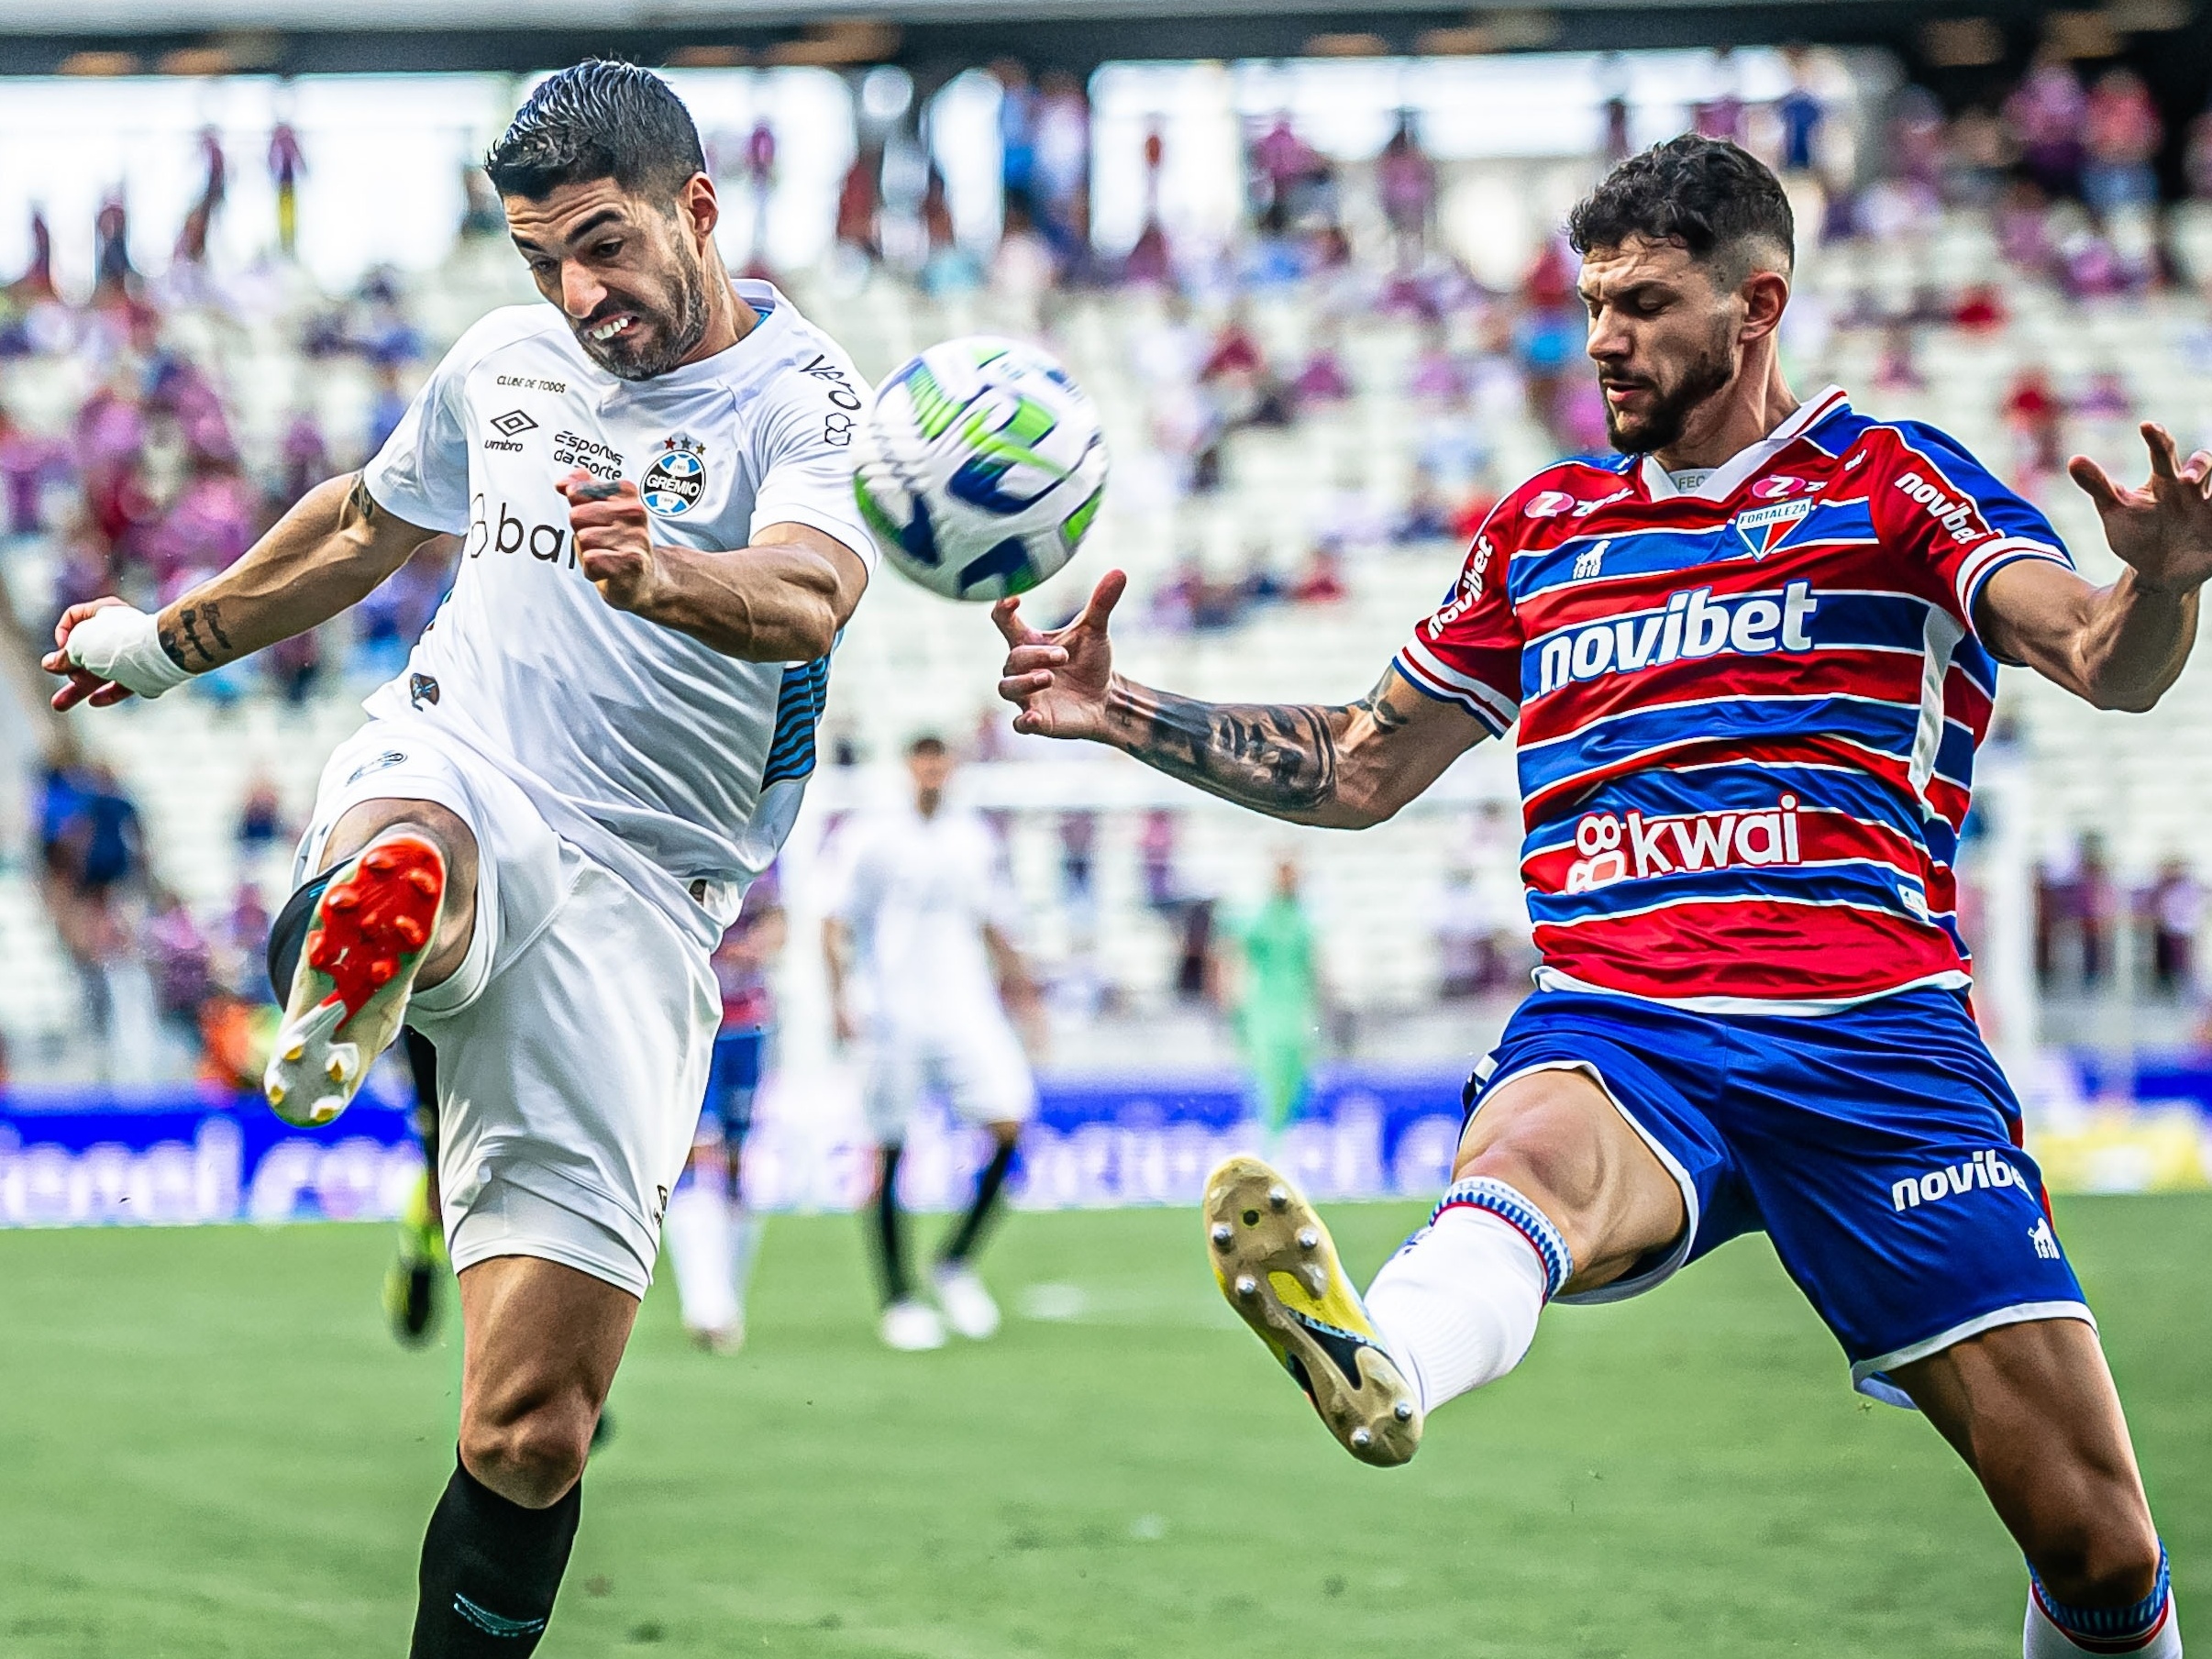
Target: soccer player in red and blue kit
1751,658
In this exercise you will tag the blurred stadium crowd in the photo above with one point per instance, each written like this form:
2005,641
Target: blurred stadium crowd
1305,416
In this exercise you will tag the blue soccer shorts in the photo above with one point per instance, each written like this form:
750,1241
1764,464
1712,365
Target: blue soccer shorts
733,1082
1878,1147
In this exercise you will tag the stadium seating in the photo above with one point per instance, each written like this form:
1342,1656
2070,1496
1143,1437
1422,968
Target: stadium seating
911,661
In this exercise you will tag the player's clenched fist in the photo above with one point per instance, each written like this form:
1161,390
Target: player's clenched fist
1061,681
614,538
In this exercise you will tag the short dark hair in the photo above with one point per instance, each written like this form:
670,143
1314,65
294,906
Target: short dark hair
1714,199
600,120
929,742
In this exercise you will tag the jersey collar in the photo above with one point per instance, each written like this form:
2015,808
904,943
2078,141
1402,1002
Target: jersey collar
768,305
1747,463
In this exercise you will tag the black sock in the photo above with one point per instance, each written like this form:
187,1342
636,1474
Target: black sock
890,1245
490,1569
988,1179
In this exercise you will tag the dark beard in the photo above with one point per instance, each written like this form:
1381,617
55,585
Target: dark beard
1670,414
678,332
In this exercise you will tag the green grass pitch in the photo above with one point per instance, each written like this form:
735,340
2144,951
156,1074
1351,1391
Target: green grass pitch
209,1446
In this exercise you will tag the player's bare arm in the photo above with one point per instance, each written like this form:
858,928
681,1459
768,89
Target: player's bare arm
1338,766
836,963
2119,646
329,552
781,599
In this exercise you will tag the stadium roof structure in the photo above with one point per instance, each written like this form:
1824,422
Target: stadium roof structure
299,37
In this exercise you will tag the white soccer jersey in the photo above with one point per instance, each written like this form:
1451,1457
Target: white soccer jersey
661,758
917,893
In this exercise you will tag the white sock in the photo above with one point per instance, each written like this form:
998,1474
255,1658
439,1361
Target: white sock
2149,1630
698,1234
1458,1305
745,1246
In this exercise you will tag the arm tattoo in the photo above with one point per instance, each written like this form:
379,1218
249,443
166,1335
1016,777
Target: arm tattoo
361,506
190,619
1375,707
170,647
1274,759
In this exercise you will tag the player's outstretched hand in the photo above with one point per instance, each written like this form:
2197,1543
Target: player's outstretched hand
2163,530
1059,680
82,685
614,538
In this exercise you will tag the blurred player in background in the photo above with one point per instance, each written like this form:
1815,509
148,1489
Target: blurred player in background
532,847
1751,660
411,1283
919,942
713,1236
1277,998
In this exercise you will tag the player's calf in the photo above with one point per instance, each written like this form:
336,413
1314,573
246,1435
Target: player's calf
491,1570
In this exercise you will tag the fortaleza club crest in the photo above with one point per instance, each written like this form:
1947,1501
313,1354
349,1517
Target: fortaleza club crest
677,479
1765,528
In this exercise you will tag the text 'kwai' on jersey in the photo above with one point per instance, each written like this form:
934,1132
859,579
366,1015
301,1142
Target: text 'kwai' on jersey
1748,710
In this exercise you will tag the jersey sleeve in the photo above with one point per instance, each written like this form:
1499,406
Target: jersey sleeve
1936,504
1468,653
422,472
806,451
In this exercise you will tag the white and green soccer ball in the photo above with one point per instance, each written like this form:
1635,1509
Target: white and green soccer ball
980,467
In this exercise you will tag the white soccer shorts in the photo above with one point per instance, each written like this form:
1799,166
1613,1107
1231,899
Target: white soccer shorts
573,1043
974,1060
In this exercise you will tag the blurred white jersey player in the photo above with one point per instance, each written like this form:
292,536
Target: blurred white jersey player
713,1236
919,942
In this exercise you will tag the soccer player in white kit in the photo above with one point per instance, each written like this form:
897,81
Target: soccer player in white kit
919,941
531,848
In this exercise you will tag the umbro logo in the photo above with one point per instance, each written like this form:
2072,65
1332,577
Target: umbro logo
513,424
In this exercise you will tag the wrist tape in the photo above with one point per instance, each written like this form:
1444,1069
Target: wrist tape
124,644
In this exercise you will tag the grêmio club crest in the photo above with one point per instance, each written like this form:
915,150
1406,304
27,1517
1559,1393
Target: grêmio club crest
673,484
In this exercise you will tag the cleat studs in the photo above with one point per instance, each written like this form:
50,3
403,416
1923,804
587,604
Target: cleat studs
1277,1199
1403,1410
293,1054
1222,1234
344,899
275,1092
1361,1439
423,882
1251,1218
381,862
409,929
382,970
1247,1287
1308,1239
334,1070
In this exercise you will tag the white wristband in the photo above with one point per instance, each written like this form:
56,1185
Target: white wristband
124,644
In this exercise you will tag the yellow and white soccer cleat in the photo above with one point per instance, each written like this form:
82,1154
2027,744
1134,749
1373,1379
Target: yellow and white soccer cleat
1278,1268
370,930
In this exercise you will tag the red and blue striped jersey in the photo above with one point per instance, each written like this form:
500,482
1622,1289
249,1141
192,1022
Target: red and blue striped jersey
1748,709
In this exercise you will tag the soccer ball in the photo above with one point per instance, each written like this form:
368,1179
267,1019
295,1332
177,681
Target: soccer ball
980,467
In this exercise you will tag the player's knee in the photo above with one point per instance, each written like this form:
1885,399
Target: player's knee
2096,1561
530,1457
